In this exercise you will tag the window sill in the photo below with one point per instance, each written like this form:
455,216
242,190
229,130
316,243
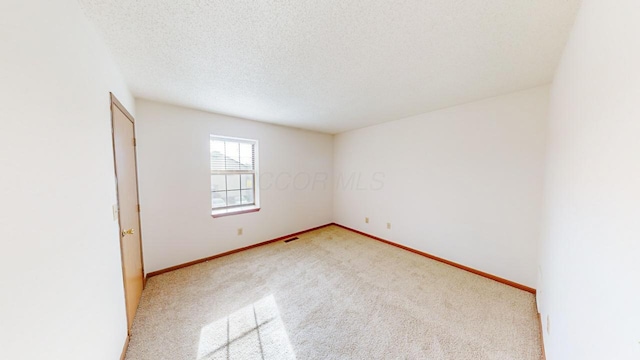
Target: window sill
234,211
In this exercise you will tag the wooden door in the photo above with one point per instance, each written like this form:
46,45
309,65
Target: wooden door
128,206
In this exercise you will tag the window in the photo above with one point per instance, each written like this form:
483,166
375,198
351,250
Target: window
233,175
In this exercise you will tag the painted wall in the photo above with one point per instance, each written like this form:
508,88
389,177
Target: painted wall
590,268
463,183
173,152
61,287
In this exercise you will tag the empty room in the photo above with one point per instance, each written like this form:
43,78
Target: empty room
420,179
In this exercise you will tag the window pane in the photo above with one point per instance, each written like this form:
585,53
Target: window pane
233,182
218,199
246,156
217,145
217,155
218,183
246,163
233,198
247,196
232,155
246,181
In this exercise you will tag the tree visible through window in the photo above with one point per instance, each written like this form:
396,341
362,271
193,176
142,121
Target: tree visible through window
233,172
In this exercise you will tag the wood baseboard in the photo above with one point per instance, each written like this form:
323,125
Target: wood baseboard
180,266
124,348
433,257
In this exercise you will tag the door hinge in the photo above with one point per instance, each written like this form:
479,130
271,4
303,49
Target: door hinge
138,207
134,141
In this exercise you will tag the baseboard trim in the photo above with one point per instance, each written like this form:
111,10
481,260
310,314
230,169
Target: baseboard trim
427,255
544,353
433,257
124,348
194,262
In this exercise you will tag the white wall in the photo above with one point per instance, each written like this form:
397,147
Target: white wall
463,183
60,271
591,241
173,155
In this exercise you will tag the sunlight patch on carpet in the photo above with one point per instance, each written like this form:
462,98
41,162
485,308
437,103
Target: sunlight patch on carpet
254,332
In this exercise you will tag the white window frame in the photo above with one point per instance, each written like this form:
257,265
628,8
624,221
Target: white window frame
242,208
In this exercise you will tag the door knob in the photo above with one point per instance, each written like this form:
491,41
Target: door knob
127,232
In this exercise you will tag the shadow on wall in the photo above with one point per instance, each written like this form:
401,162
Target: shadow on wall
255,331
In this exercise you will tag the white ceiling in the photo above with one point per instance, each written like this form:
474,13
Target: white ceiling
331,65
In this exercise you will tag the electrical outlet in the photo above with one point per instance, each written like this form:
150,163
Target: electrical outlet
239,231
388,225
366,220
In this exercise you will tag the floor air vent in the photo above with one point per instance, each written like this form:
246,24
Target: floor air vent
293,238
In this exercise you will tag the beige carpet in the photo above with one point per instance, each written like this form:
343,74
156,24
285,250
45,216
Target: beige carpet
332,294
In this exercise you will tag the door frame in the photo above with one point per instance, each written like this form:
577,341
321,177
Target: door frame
115,102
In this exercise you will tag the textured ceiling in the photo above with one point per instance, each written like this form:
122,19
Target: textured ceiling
331,65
